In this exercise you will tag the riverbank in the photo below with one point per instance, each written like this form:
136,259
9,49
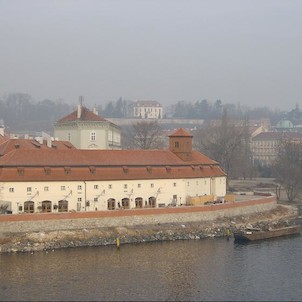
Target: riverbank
35,241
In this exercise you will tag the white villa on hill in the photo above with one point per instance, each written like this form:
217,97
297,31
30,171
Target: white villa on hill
57,177
147,110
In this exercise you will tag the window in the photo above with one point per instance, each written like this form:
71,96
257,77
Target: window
125,186
109,186
68,136
63,188
46,189
95,199
47,170
152,185
67,170
79,187
79,199
21,171
11,190
28,189
188,184
29,207
139,185
63,206
96,187
92,169
176,145
92,136
174,184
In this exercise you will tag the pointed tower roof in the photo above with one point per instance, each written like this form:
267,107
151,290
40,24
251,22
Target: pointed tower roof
181,133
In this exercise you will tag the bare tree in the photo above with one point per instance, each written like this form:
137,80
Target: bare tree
143,135
222,142
288,168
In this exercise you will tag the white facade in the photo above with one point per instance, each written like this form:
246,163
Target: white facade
94,195
147,110
86,130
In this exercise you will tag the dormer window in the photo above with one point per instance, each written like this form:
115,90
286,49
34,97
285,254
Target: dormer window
21,171
168,169
67,170
92,170
47,170
176,144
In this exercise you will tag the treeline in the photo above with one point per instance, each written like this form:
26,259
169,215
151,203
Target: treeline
19,112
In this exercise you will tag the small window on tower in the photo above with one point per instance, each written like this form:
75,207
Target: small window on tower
176,144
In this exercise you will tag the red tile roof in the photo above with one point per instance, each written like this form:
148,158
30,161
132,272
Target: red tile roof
113,173
86,115
105,158
3,138
32,144
25,160
147,104
48,164
181,133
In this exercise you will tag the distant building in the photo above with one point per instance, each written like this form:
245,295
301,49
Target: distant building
285,125
265,145
85,129
147,110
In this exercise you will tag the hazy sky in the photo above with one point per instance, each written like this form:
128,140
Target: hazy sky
247,52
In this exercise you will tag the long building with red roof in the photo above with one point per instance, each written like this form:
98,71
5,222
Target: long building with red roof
57,177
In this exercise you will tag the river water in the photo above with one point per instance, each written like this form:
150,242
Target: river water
191,270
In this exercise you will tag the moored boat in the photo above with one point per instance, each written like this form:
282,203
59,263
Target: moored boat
256,234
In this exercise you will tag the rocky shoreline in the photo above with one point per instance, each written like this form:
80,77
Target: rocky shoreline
44,241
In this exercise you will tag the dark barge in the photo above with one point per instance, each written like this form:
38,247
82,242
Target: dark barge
257,234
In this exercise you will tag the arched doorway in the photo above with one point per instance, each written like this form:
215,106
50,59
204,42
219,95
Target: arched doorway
46,206
63,205
111,204
152,202
126,203
138,202
29,207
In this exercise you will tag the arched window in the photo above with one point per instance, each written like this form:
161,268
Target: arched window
46,206
29,207
63,206
111,204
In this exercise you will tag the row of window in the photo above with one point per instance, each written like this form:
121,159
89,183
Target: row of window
96,187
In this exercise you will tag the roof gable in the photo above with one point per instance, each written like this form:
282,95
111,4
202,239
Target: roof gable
86,115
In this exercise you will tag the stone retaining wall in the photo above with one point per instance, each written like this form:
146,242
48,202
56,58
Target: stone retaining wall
136,218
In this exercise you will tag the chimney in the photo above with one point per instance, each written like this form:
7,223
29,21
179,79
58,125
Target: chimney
95,111
48,142
79,113
1,127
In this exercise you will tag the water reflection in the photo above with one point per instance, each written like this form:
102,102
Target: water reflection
214,269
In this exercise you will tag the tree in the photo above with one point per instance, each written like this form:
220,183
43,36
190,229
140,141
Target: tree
288,168
222,142
144,135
